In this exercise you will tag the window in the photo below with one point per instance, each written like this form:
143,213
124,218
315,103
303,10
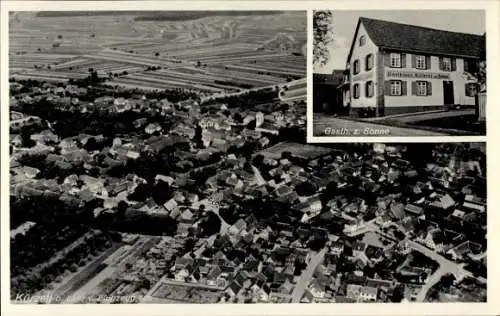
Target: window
369,62
369,89
356,67
355,91
395,60
362,40
420,61
422,88
447,63
395,87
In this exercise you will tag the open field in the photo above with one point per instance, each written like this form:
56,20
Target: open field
299,150
208,53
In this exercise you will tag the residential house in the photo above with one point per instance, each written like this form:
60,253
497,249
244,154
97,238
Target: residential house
434,240
368,294
153,128
238,227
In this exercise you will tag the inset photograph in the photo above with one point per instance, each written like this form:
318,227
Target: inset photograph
399,73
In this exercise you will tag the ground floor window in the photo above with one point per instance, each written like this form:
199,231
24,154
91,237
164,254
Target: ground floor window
369,89
422,88
355,91
396,87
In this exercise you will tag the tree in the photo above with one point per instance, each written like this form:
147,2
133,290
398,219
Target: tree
306,189
59,36
161,192
322,35
258,160
157,54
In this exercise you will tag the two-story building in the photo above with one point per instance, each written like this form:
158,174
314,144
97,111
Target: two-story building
398,68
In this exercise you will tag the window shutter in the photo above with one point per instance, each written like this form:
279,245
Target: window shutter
427,62
429,88
441,63
387,87
413,88
403,88
467,90
413,61
387,59
453,64
403,60
466,65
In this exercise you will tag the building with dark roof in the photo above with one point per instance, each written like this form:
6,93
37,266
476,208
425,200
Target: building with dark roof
399,68
328,94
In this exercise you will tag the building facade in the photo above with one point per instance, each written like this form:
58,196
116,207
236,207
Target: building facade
397,68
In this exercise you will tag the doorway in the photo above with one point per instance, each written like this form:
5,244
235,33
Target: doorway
449,97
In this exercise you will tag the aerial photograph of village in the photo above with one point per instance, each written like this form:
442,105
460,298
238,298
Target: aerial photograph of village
161,157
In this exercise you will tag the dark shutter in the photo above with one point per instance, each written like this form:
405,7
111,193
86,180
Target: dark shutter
403,60
387,87
429,88
466,65
427,62
441,63
387,59
413,61
467,90
413,88
403,88
453,64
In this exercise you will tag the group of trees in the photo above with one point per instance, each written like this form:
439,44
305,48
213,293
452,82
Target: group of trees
247,100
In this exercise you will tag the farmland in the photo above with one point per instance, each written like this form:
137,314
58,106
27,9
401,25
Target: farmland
206,53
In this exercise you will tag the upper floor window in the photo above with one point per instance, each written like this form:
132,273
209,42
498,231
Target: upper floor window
356,67
355,92
362,40
369,62
446,63
369,89
420,62
395,60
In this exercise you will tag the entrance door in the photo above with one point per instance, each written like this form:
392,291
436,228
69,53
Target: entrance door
449,97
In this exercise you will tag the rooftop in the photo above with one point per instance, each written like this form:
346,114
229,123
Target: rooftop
420,39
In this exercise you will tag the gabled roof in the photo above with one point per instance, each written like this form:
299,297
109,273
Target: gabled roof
334,79
412,38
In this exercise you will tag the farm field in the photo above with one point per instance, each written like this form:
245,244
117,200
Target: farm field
211,54
299,150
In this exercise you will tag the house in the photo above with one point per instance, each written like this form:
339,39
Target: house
475,203
414,210
391,72
238,227
187,216
353,290
317,289
267,128
153,128
337,248
170,205
444,202
167,179
397,210
358,248
368,294
464,249
434,240
329,92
